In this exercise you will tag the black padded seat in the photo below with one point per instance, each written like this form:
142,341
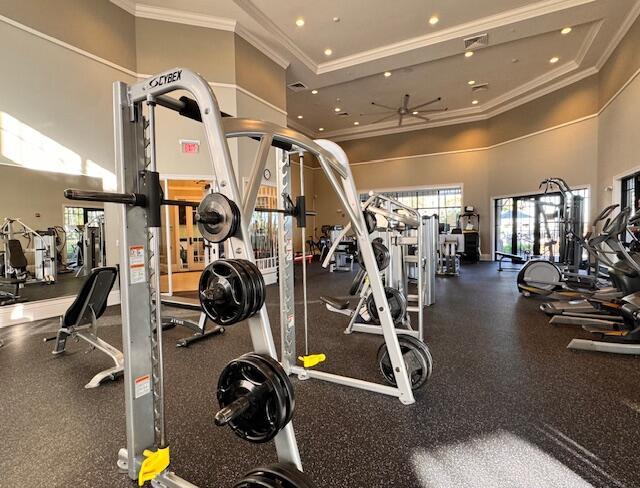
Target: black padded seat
336,302
92,296
17,259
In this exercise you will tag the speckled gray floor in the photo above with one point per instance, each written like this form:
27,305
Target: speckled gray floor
507,406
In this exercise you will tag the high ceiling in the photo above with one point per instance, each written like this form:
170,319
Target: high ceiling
424,59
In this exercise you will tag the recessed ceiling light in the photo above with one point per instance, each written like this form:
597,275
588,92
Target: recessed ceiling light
387,74
471,82
299,116
566,30
554,60
300,22
321,129
356,123
336,19
337,109
475,102
328,52
415,112
468,54
433,20
314,92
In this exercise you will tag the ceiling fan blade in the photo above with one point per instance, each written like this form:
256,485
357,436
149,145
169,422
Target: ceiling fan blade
420,117
405,101
433,110
383,106
427,103
383,119
375,113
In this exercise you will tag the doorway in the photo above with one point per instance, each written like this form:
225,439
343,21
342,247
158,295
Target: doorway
183,253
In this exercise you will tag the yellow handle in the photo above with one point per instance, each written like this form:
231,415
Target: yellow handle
154,464
312,360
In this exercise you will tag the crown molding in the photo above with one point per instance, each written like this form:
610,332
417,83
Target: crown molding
301,128
261,46
617,39
183,17
200,20
463,30
275,31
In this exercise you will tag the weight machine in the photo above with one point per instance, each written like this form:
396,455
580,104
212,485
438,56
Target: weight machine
407,246
335,165
94,254
146,456
42,245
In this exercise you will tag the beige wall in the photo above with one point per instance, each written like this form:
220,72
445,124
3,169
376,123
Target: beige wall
483,174
618,142
621,65
163,45
45,206
63,100
259,74
97,26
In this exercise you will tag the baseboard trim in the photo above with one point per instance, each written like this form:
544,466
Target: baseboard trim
44,309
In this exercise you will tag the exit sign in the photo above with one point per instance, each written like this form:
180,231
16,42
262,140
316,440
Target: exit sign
189,146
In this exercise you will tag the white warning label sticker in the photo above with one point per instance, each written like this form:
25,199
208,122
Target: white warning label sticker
143,385
137,272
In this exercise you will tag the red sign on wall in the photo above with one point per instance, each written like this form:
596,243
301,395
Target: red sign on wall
189,147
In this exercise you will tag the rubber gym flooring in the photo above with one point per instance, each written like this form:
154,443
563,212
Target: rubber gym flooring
507,405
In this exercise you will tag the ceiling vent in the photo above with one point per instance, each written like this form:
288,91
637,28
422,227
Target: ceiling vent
476,42
480,87
298,86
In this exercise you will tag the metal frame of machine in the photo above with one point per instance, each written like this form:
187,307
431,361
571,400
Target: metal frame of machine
139,184
418,230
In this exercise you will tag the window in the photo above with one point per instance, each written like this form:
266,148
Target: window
631,192
75,218
530,225
444,202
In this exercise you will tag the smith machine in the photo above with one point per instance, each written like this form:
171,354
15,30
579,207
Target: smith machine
254,391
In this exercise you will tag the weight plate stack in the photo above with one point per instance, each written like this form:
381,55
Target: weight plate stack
381,254
259,384
397,305
275,476
218,217
231,290
417,360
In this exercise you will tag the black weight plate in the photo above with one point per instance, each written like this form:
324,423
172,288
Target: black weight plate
381,254
284,381
266,416
258,281
228,213
282,397
252,291
282,475
415,359
420,344
255,481
357,281
397,305
222,293
371,221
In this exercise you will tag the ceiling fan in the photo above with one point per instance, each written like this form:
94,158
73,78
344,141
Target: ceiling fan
405,110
